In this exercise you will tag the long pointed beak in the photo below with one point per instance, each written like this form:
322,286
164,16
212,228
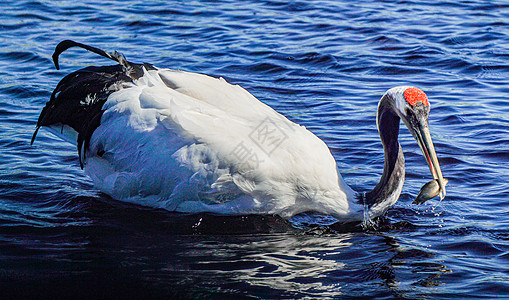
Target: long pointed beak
423,138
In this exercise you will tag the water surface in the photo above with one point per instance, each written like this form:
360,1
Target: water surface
324,64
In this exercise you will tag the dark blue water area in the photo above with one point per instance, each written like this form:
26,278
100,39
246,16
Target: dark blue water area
323,64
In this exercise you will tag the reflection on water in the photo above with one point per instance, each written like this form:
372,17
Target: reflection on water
296,264
128,249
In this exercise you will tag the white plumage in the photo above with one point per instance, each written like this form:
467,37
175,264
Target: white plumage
209,146
192,143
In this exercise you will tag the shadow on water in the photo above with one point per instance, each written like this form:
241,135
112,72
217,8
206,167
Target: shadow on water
124,250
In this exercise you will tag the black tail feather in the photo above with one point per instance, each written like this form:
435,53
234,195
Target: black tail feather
64,45
78,98
34,135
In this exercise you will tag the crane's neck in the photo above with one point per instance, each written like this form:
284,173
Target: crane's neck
387,191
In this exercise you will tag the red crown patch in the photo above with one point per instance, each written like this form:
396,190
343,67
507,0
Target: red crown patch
413,95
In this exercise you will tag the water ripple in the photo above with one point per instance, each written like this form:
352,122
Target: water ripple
324,64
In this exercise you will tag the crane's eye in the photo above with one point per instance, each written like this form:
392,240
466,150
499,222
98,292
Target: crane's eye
409,111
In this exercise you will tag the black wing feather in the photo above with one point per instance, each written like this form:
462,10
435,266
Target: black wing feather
78,99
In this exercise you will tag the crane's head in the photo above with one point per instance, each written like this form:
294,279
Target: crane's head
412,106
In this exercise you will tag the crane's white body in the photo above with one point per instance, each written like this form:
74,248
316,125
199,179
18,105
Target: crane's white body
192,143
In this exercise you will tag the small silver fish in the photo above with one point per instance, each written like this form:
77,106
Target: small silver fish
428,191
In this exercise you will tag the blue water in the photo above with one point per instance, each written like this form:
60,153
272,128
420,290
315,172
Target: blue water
324,64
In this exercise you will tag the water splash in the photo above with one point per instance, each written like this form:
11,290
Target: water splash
367,222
